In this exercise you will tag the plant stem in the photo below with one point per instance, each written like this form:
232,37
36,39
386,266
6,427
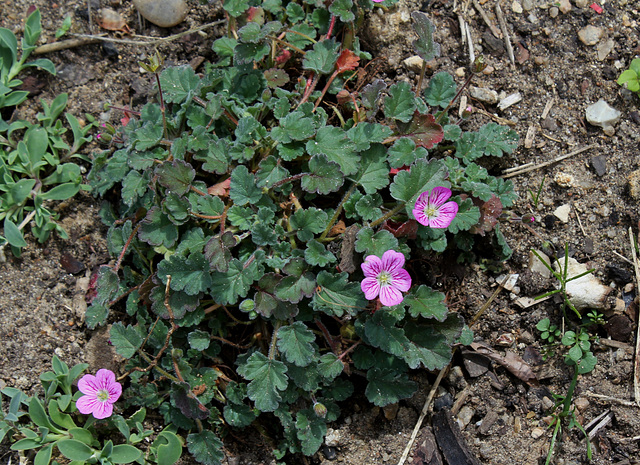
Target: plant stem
464,86
388,215
423,70
164,118
336,214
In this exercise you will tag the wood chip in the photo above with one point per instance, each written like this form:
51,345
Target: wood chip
531,134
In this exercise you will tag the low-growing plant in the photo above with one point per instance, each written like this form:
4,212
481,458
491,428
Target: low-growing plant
271,238
631,76
53,422
35,158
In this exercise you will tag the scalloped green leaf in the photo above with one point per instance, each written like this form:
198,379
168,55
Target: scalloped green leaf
365,134
322,58
157,229
205,446
335,295
324,176
316,254
190,275
243,189
441,90
373,173
468,215
336,145
427,303
176,176
268,378
387,386
179,84
369,242
400,103
381,331
295,342
126,340
424,45
308,222
422,176
235,282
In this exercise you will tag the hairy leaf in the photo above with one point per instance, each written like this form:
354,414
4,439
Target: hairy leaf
387,386
268,377
295,341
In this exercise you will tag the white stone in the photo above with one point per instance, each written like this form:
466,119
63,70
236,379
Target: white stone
562,212
413,63
586,291
516,7
582,3
163,13
565,6
604,48
536,265
509,100
603,115
484,95
590,35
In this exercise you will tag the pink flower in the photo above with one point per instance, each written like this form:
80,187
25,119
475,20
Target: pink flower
100,393
433,210
385,277
378,1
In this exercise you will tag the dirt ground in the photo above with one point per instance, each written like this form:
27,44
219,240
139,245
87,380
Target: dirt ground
557,75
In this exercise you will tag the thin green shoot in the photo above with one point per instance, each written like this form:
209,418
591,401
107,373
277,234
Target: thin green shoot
536,197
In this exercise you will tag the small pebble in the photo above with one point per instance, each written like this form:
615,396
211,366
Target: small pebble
516,7
553,12
590,35
464,416
537,432
163,13
599,164
581,403
484,95
565,6
633,184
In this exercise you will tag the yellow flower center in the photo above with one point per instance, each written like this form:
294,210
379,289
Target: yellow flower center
103,395
384,278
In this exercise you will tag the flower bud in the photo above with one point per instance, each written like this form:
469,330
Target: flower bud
319,409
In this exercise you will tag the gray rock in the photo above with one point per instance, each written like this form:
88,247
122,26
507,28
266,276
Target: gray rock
163,13
590,35
603,115
565,6
528,5
605,48
599,164
586,291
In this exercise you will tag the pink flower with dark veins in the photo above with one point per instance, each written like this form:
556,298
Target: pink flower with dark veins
385,277
100,393
433,210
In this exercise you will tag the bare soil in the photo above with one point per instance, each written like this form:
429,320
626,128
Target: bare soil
503,418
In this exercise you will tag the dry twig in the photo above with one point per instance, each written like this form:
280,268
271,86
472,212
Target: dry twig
546,163
636,360
505,32
487,20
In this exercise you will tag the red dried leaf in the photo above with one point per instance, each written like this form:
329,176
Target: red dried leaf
424,130
408,228
490,211
221,189
347,61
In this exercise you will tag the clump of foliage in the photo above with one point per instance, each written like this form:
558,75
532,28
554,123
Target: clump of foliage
244,201
53,424
576,346
631,76
35,158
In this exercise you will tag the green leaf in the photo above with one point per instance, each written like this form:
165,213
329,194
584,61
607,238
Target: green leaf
295,342
310,431
382,332
308,222
267,377
424,46
387,386
400,103
176,176
239,415
335,295
61,191
179,84
373,174
324,176
427,303
330,366
403,152
441,90
424,130
452,132
74,450
322,58
205,446
21,190
270,172
294,288
218,252
157,229
134,186
423,176
370,243
168,448
124,453
148,136
227,287
294,127
427,347
190,275
12,234
335,144
468,216
43,457
343,10
317,255
199,340
189,405
235,8
365,134
126,340
497,139
243,189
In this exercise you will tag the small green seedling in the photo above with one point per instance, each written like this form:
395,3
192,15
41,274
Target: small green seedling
631,76
549,332
536,197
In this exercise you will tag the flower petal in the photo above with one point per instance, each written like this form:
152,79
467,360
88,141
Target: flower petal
89,385
115,391
446,214
390,296
439,195
372,266
105,378
392,261
87,404
370,287
401,280
419,215
103,410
